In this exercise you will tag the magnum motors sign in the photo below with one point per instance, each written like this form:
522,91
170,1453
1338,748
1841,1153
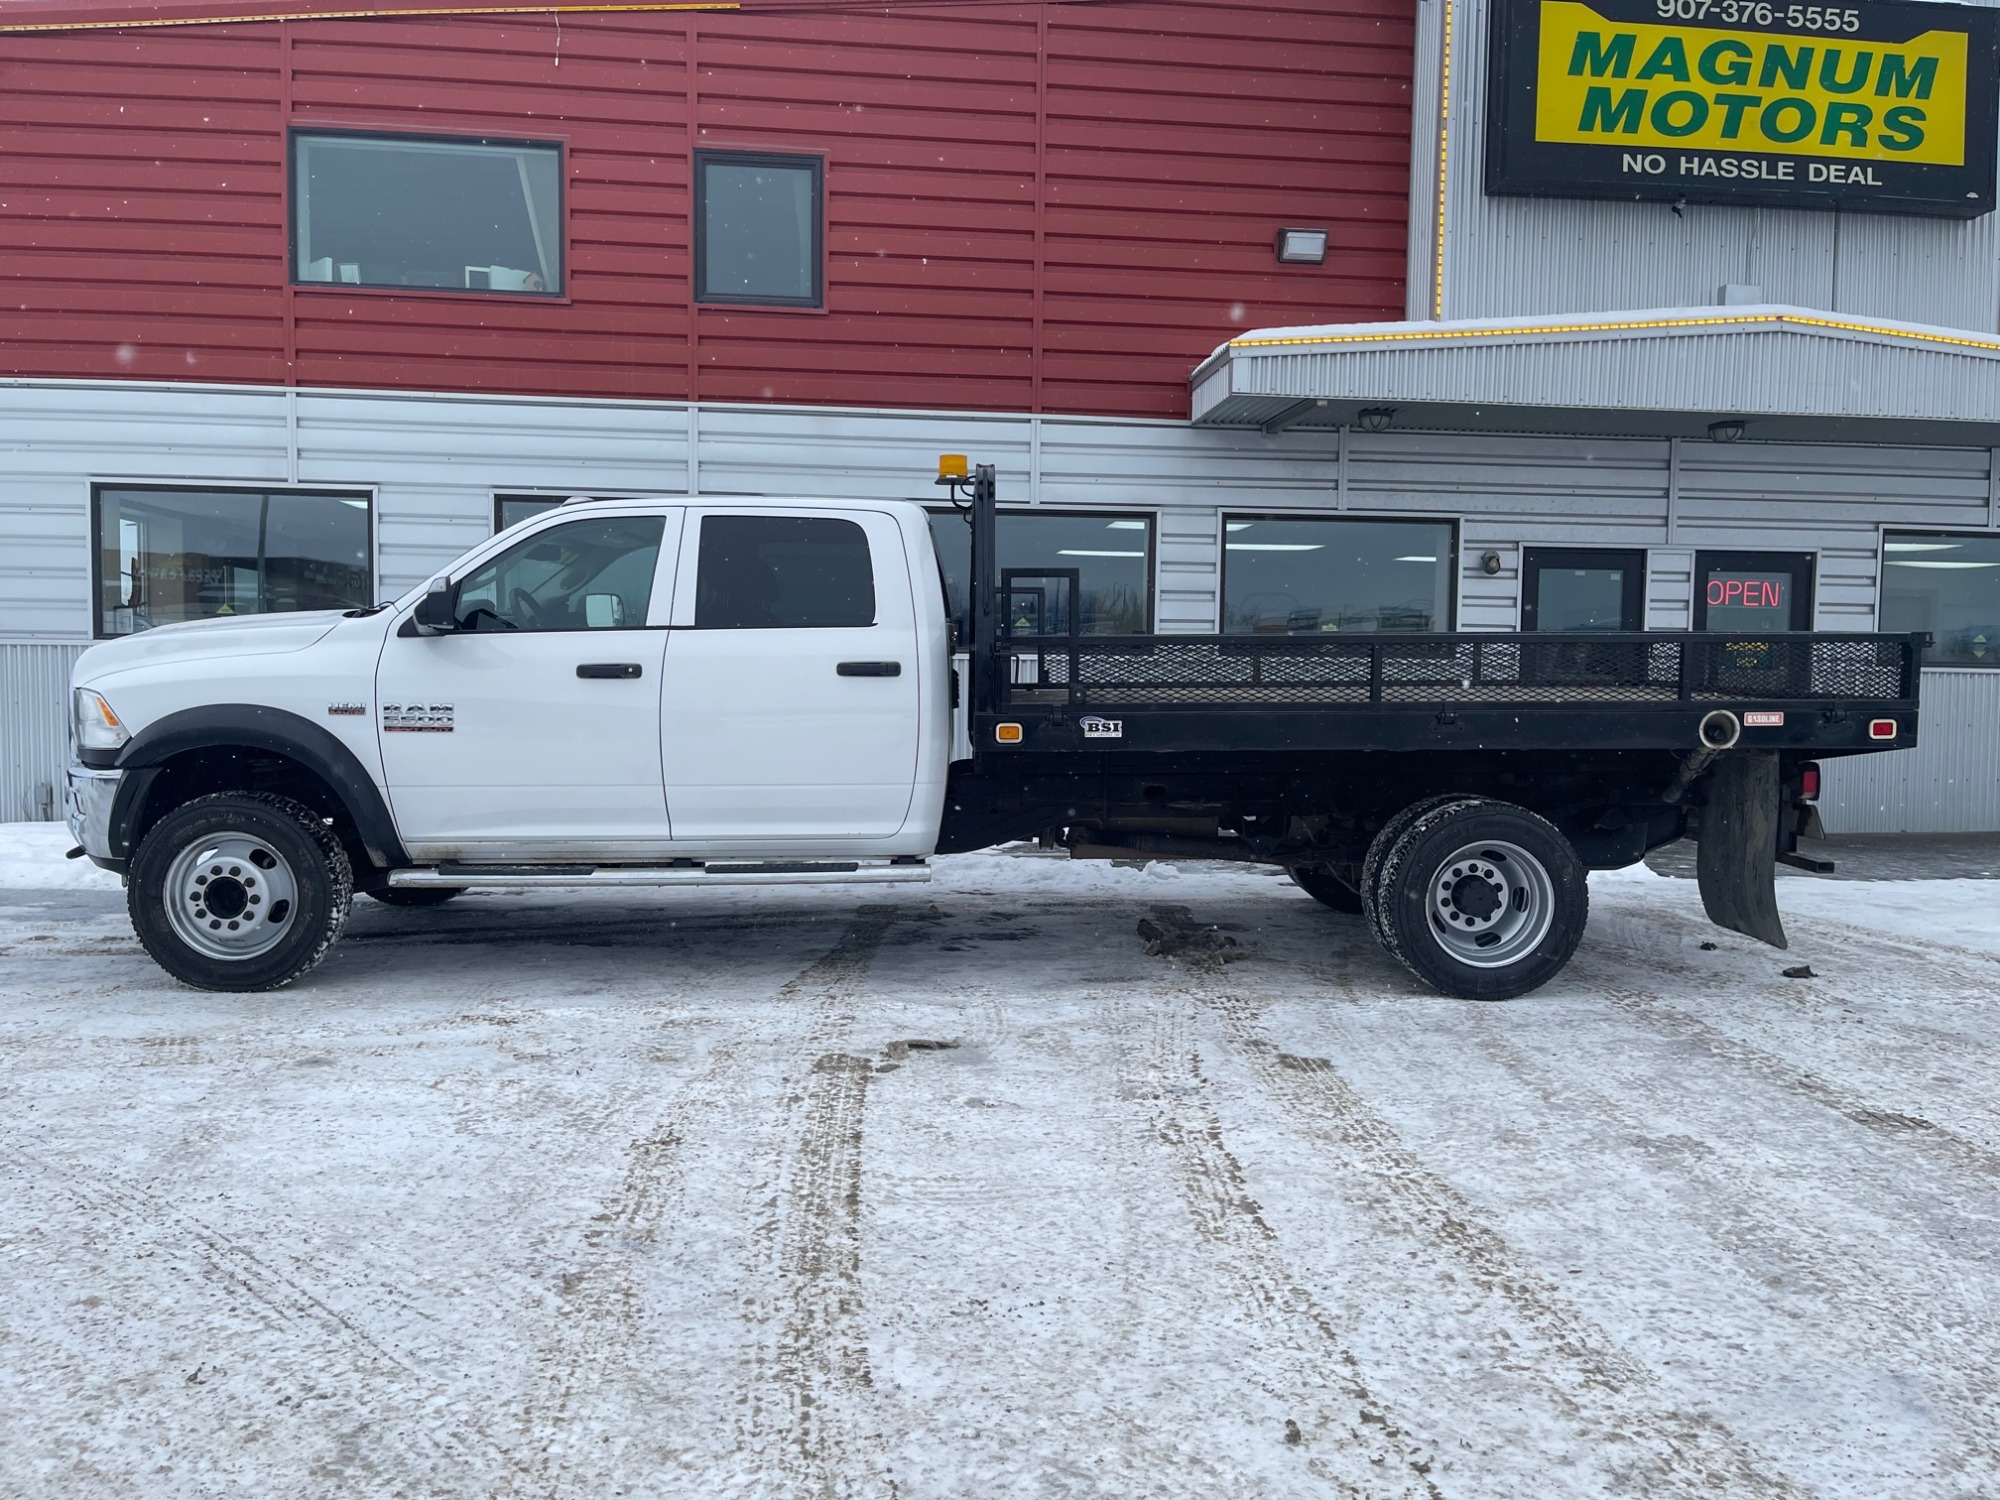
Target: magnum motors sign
1888,107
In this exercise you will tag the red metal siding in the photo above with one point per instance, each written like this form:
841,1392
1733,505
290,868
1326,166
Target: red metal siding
1053,206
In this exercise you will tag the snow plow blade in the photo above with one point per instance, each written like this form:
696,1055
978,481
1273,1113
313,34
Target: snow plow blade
1737,863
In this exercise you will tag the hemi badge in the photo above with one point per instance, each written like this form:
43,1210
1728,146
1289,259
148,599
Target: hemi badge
348,710
1763,719
1095,728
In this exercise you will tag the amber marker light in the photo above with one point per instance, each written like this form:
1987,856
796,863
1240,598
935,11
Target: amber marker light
1007,734
952,468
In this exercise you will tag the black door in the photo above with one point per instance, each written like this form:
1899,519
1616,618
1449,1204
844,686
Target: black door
1570,590
1753,592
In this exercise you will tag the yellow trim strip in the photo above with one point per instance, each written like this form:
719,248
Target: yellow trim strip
1443,164
360,15
1633,326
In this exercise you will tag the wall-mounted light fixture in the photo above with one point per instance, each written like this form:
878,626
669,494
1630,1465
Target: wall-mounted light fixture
1489,564
1727,431
1301,247
1375,418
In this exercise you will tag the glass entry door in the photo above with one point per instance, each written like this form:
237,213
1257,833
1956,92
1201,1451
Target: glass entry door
1753,591
1569,590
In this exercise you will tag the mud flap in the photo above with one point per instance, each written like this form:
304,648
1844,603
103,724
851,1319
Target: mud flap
1737,863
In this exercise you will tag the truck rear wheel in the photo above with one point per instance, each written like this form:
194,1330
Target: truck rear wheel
1325,887
1391,831
1481,899
240,891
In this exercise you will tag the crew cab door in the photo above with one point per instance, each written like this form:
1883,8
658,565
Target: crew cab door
533,727
791,701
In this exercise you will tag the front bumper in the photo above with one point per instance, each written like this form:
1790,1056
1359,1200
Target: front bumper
88,808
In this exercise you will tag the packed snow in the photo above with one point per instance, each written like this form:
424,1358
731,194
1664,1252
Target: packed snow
958,1191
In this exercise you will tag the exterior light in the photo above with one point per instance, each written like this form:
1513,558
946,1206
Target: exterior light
952,468
1375,418
1301,247
1726,432
1489,564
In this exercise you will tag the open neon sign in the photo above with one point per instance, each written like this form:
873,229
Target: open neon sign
1746,593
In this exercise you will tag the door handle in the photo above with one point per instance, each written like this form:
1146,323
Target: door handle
609,669
870,669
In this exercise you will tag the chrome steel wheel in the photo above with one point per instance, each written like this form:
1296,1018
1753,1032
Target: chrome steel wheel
230,896
1491,904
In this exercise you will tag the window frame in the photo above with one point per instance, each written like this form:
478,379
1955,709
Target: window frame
230,487
1451,563
698,292
1755,559
1889,533
336,131
1534,559
561,498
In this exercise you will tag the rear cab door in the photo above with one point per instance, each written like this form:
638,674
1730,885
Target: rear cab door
793,698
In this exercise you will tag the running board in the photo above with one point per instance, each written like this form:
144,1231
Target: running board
715,872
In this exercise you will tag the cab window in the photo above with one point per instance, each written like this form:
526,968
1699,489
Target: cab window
585,575
783,572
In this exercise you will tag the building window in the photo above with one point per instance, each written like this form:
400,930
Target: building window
757,228
1572,591
783,573
1753,591
1112,555
445,215
512,510
167,555
1949,585
1285,575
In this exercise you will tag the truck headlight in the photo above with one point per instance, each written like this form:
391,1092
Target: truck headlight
97,727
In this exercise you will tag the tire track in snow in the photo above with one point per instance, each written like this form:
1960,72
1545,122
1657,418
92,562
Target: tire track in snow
601,1303
809,1392
1798,1253
1303,1355
1943,1146
1588,1377
336,1350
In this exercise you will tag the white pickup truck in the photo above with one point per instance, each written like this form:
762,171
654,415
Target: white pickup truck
696,691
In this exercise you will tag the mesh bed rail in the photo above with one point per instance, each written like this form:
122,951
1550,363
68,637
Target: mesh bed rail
1102,672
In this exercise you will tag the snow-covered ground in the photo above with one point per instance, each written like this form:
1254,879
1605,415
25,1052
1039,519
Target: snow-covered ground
955,1192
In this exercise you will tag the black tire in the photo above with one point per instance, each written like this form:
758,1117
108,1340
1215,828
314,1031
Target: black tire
1482,900
1325,887
276,847
416,895
1371,862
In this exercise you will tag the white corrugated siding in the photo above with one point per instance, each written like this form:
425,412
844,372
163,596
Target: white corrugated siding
34,729
1948,783
434,464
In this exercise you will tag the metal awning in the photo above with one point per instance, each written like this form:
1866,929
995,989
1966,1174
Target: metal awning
1787,373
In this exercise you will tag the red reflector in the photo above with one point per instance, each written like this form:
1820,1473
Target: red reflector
1881,729
1808,783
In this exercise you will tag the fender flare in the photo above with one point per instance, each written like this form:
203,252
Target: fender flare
253,726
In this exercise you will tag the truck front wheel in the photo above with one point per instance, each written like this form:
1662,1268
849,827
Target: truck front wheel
1482,900
239,891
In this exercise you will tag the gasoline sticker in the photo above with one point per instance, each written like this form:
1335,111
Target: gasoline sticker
418,718
1764,719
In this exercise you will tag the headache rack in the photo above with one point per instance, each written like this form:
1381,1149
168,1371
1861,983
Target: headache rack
1039,682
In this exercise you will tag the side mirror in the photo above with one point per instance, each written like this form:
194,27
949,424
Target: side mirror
437,611
603,611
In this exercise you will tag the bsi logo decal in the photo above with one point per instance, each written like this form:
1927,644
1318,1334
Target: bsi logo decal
1095,728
